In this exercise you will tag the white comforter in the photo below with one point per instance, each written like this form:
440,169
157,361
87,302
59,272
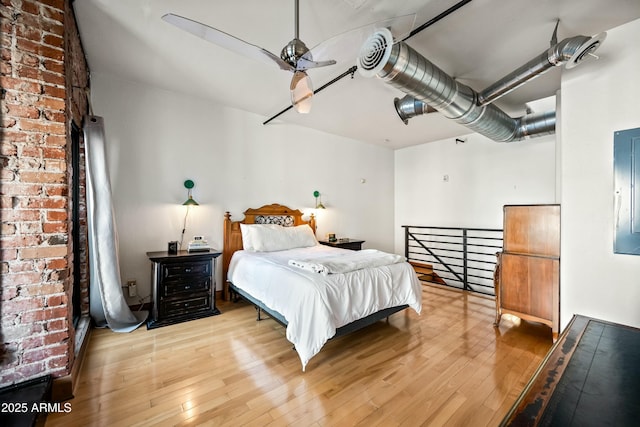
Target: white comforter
315,305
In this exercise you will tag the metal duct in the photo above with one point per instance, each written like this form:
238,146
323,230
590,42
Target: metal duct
402,67
408,107
570,51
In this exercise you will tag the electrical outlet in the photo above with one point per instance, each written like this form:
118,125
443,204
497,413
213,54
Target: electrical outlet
131,286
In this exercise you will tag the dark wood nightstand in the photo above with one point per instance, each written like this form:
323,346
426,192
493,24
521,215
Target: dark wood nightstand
183,287
353,244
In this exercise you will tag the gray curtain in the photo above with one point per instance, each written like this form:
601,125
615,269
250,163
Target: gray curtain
107,305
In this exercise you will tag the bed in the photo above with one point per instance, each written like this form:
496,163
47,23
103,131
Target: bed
317,292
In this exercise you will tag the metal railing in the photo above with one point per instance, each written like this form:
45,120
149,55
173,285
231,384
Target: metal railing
463,258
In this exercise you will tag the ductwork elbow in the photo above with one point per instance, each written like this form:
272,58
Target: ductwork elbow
573,50
408,107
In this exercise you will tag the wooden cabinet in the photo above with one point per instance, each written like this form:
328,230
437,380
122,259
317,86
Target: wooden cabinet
182,286
528,273
352,244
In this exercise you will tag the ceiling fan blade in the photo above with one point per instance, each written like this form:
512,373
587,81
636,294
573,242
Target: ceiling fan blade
305,64
225,40
344,48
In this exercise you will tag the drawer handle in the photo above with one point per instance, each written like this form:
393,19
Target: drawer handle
188,287
187,270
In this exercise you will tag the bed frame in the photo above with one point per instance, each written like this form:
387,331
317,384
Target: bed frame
283,215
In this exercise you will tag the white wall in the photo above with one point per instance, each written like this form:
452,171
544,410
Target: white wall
157,139
483,176
597,99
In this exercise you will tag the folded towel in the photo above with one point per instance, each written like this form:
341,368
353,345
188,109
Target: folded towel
347,262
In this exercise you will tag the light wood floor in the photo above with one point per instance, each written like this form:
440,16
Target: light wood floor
448,366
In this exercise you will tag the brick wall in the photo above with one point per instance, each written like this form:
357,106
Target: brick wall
43,79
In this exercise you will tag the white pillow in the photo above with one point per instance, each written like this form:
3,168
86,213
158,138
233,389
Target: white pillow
272,237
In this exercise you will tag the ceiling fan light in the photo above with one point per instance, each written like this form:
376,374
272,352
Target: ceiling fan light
301,92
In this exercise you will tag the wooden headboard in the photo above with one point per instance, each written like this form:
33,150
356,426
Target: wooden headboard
267,214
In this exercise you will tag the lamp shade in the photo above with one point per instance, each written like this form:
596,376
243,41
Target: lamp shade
301,92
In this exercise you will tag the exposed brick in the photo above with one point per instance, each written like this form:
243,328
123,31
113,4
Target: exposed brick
20,215
26,278
27,45
19,266
43,252
32,342
54,153
42,177
53,66
7,175
21,189
31,370
42,126
42,353
53,40
52,78
33,227
8,82
57,325
53,104
54,116
8,292
55,92
29,33
55,301
28,59
58,362
56,264
21,305
30,151
53,27
58,239
30,7
5,67
56,4
48,203
8,229
27,111
56,337
50,288
55,140
56,190
55,227
17,241
30,73
8,254
51,165
40,51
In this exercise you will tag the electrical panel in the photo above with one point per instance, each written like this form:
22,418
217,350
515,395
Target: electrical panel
626,165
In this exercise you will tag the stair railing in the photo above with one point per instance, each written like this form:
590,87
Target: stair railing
463,258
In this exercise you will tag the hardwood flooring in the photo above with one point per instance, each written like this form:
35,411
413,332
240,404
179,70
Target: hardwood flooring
448,366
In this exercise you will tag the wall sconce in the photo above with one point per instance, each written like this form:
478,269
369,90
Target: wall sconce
188,184
319,204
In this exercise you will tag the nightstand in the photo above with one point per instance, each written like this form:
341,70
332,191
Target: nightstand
183,287
353,244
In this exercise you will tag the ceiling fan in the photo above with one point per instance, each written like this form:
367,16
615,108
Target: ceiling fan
295,57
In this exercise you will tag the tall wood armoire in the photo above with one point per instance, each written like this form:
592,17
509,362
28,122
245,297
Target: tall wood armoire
528,276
